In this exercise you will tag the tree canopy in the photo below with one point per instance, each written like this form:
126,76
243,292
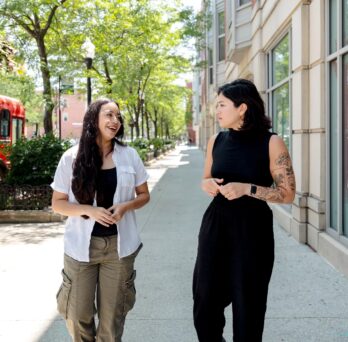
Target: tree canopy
137,58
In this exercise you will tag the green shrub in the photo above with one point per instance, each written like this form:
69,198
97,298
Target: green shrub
34,161
168,142
157,143
140,143
141,151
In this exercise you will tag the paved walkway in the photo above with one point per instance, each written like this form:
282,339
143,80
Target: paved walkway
308,300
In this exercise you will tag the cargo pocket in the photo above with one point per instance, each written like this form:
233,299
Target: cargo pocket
129,294
63,295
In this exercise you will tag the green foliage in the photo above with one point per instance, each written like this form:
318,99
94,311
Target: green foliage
34,162
142,147
142,152
22,87
157,143
140,143
137,56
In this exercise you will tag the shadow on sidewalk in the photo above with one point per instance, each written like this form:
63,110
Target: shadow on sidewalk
30,233
56,331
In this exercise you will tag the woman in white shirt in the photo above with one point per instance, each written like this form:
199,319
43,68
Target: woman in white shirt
98,185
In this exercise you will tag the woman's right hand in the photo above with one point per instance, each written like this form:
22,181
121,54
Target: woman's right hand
211,186
101,215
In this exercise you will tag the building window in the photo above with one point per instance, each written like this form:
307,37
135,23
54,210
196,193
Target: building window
279,78
210,64
242,2
337,67
221,36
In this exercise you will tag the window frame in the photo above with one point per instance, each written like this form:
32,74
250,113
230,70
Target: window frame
337,55
270,89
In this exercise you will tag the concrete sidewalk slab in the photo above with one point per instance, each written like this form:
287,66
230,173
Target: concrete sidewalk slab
307,301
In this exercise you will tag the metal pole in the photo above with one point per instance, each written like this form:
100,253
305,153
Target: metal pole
89,86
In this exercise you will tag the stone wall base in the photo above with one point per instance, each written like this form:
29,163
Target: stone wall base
29,216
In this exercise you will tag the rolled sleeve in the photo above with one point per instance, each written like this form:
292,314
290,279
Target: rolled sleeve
62,176
141,175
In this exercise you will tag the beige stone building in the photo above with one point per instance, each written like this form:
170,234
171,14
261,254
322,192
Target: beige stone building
296,52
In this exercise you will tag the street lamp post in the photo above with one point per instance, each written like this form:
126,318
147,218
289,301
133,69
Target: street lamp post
89,49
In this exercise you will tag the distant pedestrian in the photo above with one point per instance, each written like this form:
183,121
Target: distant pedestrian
236,245
98,184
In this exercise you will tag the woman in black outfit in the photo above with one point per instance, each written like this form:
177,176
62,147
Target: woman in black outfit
236,246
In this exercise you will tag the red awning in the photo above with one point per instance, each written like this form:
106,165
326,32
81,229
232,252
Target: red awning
14,106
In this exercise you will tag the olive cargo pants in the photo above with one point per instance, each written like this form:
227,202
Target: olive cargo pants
106,280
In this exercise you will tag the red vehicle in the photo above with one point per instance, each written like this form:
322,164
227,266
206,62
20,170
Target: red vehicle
12,121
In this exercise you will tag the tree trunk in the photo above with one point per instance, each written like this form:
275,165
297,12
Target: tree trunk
47,90
142,122
147,125
155,123
167,130
107,76
162,126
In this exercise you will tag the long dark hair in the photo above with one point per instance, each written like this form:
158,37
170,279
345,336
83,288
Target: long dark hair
244,91
89,160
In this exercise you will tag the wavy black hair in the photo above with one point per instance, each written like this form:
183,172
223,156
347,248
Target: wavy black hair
89,159
244,91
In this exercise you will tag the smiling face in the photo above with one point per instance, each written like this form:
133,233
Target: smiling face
108,122
227,114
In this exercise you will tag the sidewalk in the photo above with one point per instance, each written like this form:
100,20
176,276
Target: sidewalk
308,299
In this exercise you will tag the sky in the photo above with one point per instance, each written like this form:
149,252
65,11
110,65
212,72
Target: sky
196,4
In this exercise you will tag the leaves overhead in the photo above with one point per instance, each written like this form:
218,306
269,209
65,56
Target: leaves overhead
137,45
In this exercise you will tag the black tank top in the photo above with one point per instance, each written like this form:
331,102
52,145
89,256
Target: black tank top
106,187
242,157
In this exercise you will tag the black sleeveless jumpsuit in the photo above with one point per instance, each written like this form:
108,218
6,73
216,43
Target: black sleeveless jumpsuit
236,246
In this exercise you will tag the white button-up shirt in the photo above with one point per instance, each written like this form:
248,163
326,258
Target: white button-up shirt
130,174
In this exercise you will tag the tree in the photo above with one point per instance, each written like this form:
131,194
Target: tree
14,82
34,18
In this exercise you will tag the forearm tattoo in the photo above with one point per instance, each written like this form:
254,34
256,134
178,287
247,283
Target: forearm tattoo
284,180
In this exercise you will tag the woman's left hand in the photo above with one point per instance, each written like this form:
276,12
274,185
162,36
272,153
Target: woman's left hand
118,210
234,190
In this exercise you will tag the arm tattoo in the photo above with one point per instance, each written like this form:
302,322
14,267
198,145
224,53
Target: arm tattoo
284,163
284,179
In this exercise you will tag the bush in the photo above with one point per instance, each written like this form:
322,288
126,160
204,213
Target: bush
170,143
141,151
140,143
157,143
34,161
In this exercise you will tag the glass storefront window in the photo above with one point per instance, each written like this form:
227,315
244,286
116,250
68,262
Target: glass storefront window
345,23
279,82
281,119
280,61
333,25
333,147
345,144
